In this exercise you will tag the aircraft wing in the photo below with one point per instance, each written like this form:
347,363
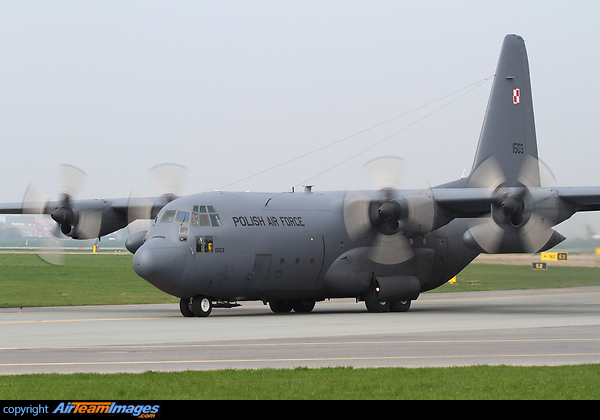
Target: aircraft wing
88,219
464,202
472,202
11,208
583,198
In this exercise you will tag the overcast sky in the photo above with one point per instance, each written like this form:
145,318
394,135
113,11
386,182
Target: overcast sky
231,88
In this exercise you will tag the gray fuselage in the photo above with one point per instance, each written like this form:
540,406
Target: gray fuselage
264,246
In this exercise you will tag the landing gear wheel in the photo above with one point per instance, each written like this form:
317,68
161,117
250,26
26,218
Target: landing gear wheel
375,306
185,306
303,306
400,306
201,306
280,306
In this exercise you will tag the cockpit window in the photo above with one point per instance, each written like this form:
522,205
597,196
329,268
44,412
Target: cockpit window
167,216
183,217
214,220
199,216
205,216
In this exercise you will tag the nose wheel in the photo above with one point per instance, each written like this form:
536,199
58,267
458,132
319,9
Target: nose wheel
199,306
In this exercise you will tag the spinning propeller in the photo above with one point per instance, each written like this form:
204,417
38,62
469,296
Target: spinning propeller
168,180
521,214
70,221
387,221
74,222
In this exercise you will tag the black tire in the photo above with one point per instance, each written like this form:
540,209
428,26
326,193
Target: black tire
400,306
201,306
280,306
303,306
185,306
375,306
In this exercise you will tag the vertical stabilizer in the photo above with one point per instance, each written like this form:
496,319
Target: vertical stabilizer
507,148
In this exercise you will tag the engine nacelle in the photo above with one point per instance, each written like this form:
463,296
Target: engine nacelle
89,220
350,274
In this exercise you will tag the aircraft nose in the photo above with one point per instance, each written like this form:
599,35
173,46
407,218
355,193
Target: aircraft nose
160,262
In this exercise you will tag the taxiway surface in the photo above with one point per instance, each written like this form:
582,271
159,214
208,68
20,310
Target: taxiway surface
522,327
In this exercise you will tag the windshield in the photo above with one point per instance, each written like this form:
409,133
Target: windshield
199,216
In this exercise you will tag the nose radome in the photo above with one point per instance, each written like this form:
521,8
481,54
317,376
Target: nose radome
160,262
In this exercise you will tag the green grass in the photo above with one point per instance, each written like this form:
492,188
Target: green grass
475,382
84,279
485,277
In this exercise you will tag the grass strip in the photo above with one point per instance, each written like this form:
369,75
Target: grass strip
487,277
84,279
473,382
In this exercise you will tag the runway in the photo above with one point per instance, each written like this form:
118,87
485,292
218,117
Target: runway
522,327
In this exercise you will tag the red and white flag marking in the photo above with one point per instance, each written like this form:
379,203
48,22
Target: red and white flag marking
516,96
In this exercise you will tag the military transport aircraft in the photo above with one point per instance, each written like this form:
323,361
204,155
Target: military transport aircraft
383,247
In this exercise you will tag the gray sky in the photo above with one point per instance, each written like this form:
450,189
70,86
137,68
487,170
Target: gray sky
230,88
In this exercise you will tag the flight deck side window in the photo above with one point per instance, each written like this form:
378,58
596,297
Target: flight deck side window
204,244
208,244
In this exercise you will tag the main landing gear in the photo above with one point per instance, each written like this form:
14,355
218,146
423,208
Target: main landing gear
379,307
375,306
200,306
